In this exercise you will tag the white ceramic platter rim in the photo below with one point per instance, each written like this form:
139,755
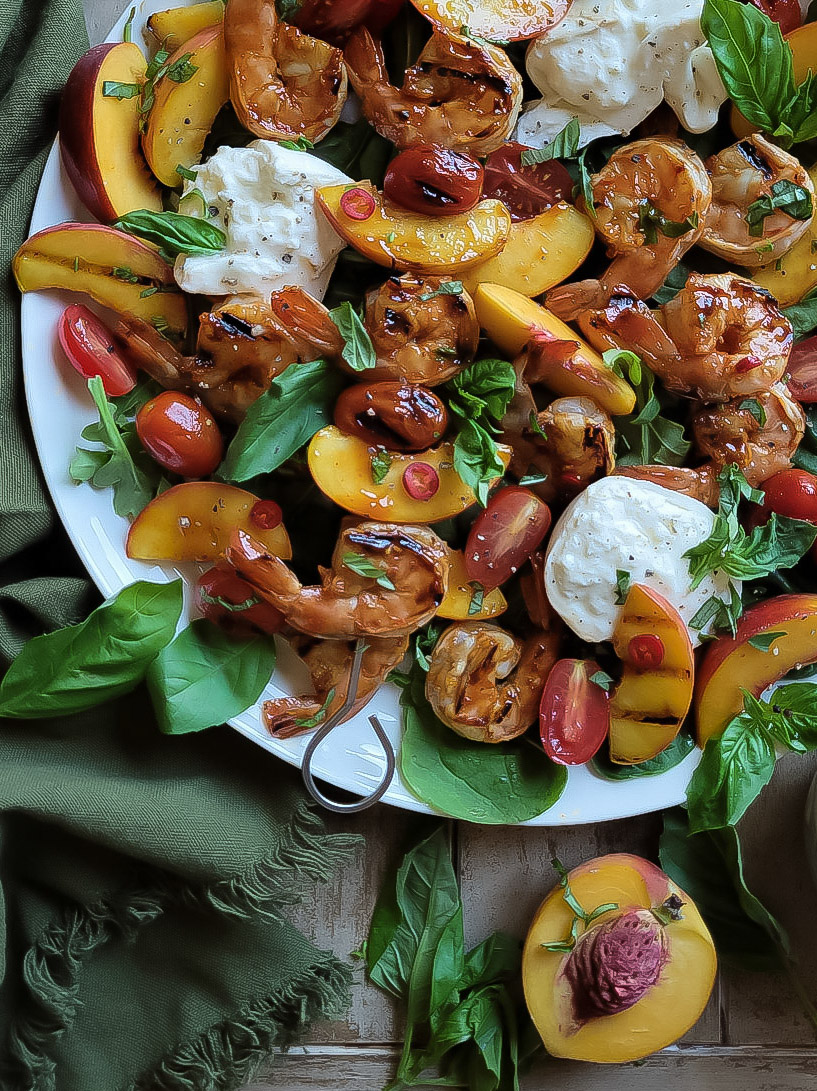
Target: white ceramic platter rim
351,758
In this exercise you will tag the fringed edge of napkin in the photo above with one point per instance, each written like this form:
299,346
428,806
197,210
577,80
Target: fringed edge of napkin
225,1055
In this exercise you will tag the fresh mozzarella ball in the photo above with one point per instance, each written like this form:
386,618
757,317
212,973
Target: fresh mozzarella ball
632,526
263,198
611,64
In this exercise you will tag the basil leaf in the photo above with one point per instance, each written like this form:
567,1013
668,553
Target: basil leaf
115,89
127,30
477,599
585,186
181,70
651,222
99,659
173,233
448,287
381,464
644,436
205,677
565,145
624,582
803,315
476,459
356,562
764,641
784,196
709,867
358,351
679,749
790,714
496,785
676,280
482,391
282,420
753,406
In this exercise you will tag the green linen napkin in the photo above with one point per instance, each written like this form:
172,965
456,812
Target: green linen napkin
142,877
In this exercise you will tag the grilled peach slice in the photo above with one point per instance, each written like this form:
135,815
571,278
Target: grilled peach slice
496,20
175,26
194,521
462,600
653,697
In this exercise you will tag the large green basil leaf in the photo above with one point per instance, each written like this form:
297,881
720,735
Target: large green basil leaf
174,233
205,677
734,769
101,658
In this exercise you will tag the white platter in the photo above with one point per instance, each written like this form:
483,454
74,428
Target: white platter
60,407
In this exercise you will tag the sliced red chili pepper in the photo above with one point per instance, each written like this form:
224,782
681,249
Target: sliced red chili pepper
266,515
421,481
358,204
646,650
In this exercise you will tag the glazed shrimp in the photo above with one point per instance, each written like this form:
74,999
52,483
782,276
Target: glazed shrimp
700,483
760,434
486,684
460,93
330,664
743,180
418,335
650,203
719,337
283,83
406,580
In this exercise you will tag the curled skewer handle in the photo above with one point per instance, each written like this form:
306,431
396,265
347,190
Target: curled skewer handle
323,732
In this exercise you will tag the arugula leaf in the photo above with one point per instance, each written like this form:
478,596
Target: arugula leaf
358,350
679,749
356,562
784,196
101,658
205,677
803,315
115,89
282,420
644,436
565,145
174,233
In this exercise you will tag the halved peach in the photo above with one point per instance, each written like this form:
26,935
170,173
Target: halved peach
653,697
175,26
112,267
391,236
667,1009
341,466
459,603
795,274
510,319
496,20
99,133
183,113
194,521
732,664
540,252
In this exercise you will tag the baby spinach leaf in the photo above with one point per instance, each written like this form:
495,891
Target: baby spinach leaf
205,677
358,350
99,659
496,785
174,233
680,748
282,420
565,145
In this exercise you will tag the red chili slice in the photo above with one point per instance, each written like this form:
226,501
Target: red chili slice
266,515
358,204
421,481
646,650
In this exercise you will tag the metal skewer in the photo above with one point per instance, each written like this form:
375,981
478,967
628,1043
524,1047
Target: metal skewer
324,730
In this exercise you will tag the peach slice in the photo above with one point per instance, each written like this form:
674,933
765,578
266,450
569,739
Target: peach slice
653,697
341,466
540,252
732,664
99,133
183,113
510,319
664,1012
496,20
112,267
398,239
459,603
175,26
194,521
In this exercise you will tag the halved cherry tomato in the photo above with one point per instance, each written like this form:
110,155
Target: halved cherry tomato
785,12
791,492
526,191
574,714
227,600
180,434
504,535
332,20
803,371
433,180
92,350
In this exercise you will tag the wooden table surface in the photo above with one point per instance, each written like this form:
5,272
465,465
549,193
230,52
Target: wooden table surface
752,1037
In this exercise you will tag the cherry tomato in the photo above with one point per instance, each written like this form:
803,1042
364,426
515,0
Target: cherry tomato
574,714
180,434
792,493
803,371
504,535
91,348
220,588
785,12
433,180
526,191
332,20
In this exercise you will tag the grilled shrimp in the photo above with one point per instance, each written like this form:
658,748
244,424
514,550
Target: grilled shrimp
760,433
718,338
700,483
405,580
283,83
417,334
460,93
330,663
486,684
650,202
742,225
